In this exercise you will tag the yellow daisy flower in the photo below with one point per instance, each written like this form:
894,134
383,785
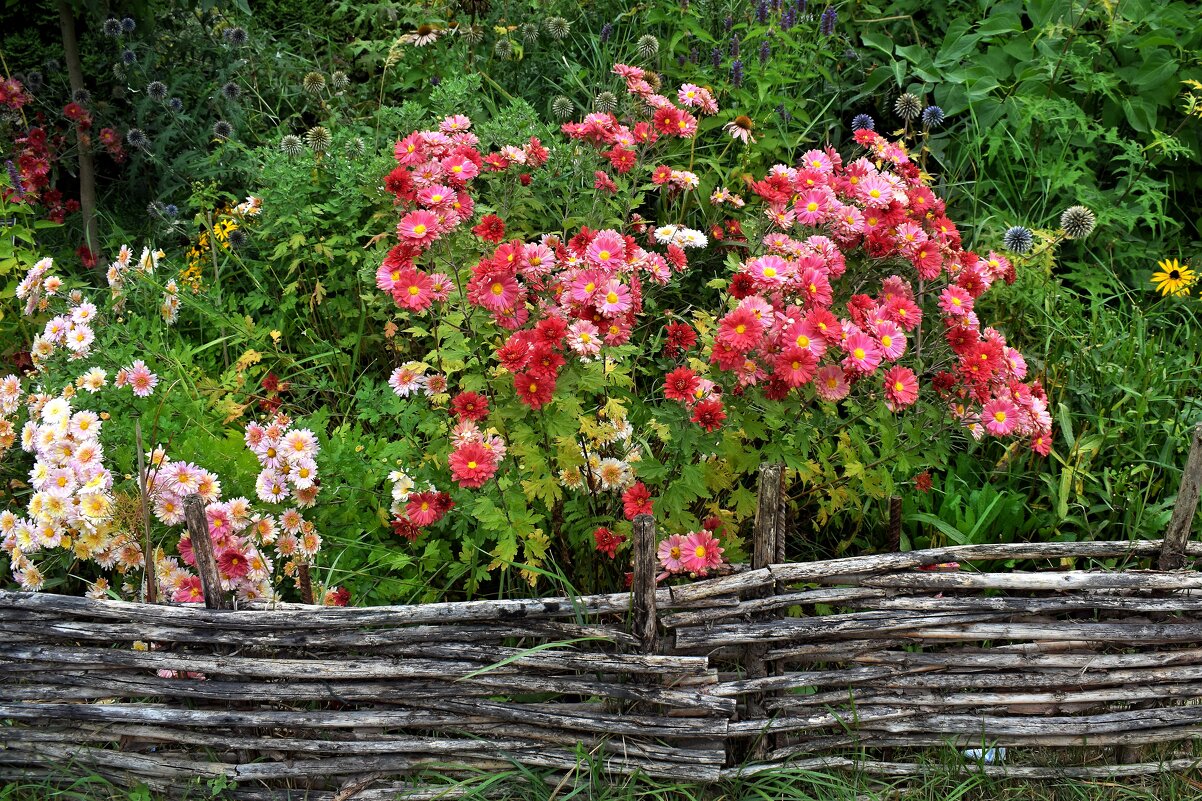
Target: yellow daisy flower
1174,278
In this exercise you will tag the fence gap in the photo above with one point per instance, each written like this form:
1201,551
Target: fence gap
202,548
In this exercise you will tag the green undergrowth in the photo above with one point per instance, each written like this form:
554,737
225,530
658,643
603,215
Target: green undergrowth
944,781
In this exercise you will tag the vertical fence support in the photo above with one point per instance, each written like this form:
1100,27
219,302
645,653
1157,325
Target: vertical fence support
893,543
202,547
646,620
1172,554
767,543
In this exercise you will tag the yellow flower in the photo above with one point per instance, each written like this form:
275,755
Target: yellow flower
1174,278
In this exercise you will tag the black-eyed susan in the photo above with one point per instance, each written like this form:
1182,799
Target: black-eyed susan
1174,278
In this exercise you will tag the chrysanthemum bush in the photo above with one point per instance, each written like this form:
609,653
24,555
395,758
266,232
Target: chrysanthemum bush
83,519
555,397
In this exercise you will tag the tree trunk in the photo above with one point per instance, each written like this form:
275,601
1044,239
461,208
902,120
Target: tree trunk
87,168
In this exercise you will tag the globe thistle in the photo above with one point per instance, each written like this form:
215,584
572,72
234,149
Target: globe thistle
171,211
175,104
562,107
529,33
222,129
648,47
231,91
291,145
908,106
128,25
318,138
474,34
112,27
136,137
356,147
1018,239
605,102
34,81
235,36
862,122
557,28
339,79
236,237
82,96
128,56
154,209
156,91
607,30
52,66
1078,222
313,82
932,116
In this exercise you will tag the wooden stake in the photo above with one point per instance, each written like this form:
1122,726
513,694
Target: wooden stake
202,547
643,602
767,535
893,542
305,583
1172,557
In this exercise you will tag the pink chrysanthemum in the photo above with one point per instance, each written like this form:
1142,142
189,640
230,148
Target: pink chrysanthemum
472,464
608,249
955,301
901,388
831,384
1000,417
891,339
420,226
613,298
863,353
740,330
671,553
412,289
701,552
141,380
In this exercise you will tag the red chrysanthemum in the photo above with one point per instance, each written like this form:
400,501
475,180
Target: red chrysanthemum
470,406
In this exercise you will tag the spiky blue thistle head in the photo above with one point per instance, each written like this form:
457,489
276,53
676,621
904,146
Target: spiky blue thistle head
128,25
932,116
112,27
128,56
171,211
175,104
1018,239
862,122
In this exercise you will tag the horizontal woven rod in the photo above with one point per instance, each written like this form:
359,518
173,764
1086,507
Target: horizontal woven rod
931,677
823,627
746,607
453,714
993,726
61,686
167,766
326,668
882,563
844,677
1001,770
301,616
1128,633
1040,701
832,652
1053,581
837,744
49,630
991,658
1076,602
359,742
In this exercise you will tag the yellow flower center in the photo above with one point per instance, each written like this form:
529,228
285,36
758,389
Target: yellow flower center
999,416
471,465
887,341
497,289
811,206
603,255
898,386
769,272
612,297
739,329
699,551
858,353
413,290
419,229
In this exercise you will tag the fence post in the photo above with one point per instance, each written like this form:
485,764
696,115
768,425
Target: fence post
1172,553
646,621
766,545
893,543
202,547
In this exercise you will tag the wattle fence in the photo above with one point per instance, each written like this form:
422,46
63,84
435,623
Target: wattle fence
859,663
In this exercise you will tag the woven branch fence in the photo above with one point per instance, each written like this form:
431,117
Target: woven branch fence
842,663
